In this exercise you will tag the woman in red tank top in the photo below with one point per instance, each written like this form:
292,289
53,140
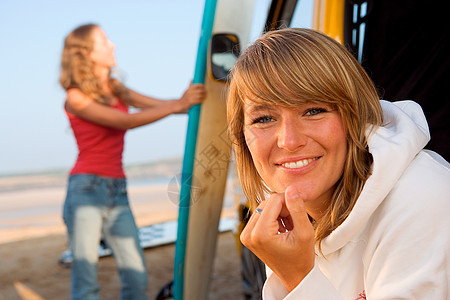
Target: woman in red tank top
97,201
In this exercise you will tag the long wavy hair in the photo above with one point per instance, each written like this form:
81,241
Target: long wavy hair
291,66
77,69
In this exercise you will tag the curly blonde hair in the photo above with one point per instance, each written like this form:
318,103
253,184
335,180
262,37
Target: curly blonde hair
312,67
77,69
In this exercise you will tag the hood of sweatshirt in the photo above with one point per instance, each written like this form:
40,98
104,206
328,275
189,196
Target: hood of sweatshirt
393,147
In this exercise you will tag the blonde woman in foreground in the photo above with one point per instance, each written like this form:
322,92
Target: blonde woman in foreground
97,201
349,204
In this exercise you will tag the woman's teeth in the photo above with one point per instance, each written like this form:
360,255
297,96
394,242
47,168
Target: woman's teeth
299,164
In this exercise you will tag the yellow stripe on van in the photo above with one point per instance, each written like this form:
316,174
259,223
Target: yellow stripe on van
328,17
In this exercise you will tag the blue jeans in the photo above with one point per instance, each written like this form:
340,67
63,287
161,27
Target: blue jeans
94,206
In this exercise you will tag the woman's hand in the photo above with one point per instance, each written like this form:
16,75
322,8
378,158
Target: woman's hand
282,236
195,94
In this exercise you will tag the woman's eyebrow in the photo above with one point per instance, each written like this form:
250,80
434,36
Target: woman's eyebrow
254,108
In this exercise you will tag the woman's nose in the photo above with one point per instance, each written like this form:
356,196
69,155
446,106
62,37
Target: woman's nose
291,136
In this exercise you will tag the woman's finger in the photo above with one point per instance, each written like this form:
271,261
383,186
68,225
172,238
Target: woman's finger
298,215
249,227
268,223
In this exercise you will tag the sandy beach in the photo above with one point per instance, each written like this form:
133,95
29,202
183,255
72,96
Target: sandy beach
30,270
32,238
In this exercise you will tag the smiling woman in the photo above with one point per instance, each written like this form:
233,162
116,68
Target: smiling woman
314,79
340,179
277,135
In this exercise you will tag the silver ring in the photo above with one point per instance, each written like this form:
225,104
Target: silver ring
258,210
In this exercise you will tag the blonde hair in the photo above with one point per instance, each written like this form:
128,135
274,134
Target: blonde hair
77,69
291,66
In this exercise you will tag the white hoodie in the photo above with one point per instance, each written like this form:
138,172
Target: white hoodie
395,242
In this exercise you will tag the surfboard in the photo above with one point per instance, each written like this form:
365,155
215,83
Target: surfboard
204,185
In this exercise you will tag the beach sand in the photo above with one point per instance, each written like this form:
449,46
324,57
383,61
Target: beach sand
30,270
32,238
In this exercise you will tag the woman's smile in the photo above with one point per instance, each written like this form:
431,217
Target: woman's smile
297,164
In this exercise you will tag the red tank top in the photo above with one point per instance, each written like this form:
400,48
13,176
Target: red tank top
100,148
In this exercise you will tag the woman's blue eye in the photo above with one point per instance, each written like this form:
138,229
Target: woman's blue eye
264,119
315,111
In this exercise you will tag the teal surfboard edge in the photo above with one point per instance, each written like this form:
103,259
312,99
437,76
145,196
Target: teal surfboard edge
189,152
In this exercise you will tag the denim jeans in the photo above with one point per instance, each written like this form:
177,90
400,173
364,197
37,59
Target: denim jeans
94,206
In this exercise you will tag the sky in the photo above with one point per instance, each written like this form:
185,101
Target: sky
156,46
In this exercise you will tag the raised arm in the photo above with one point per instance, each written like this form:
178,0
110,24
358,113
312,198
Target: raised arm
85,107
143,102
